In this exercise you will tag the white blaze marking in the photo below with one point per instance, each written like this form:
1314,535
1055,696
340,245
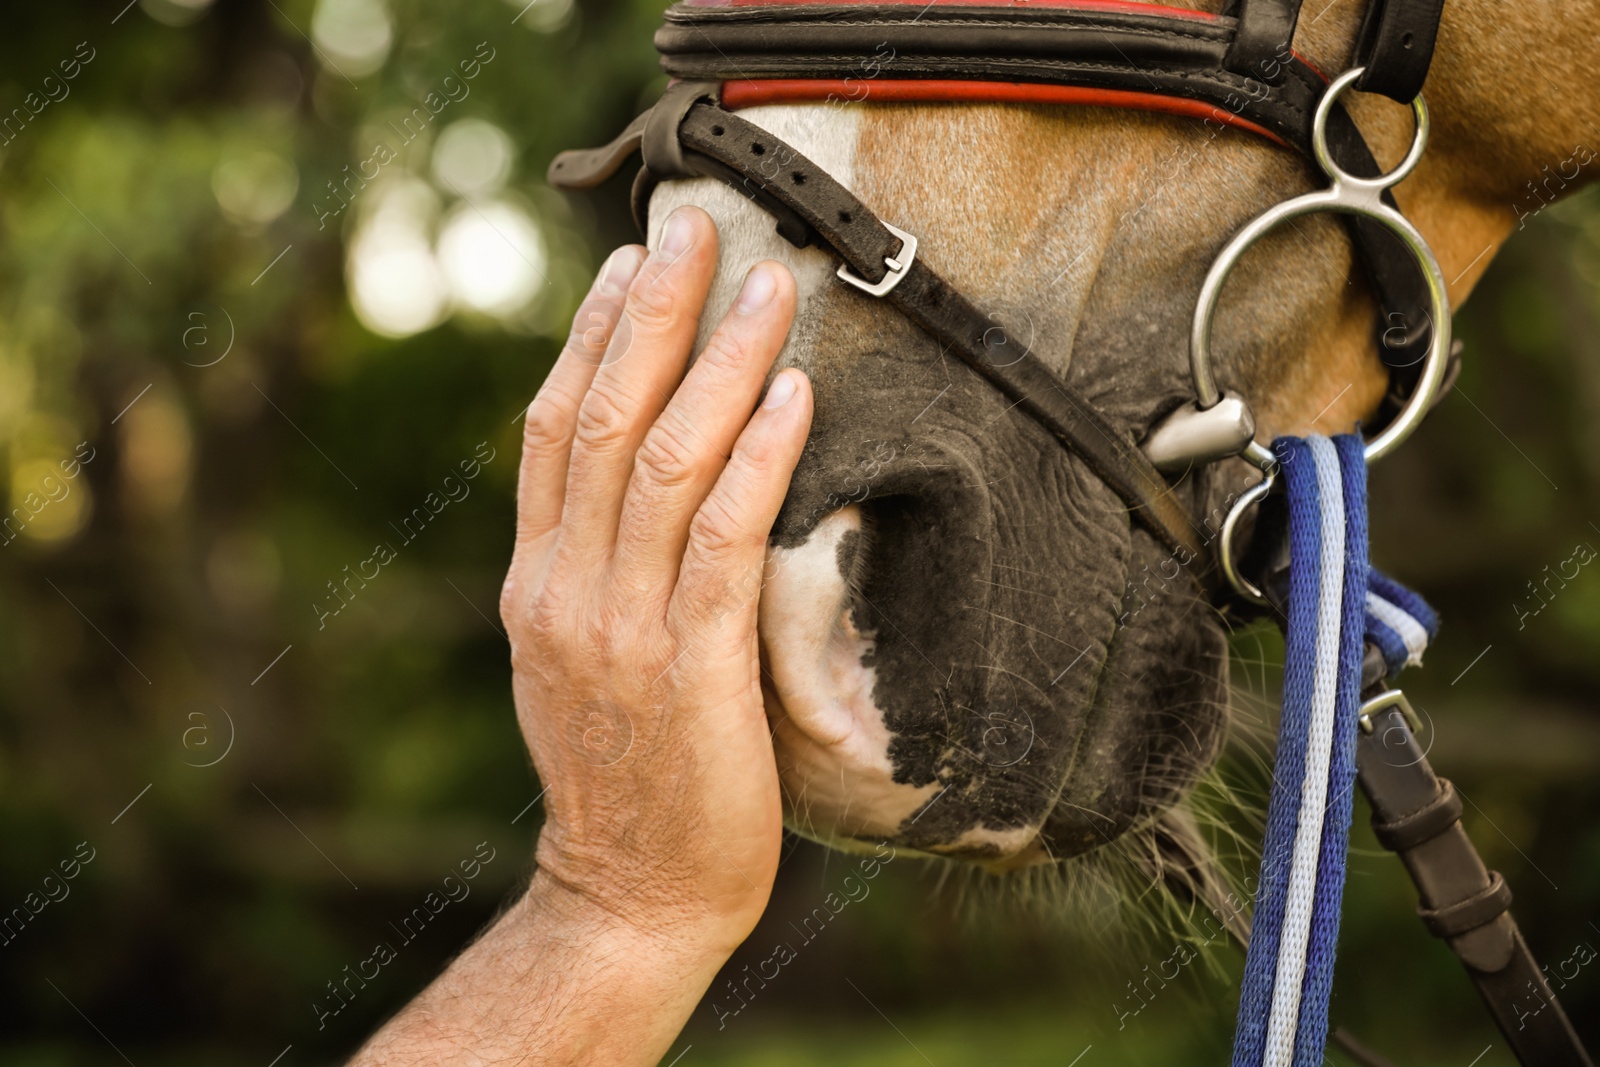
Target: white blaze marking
824,133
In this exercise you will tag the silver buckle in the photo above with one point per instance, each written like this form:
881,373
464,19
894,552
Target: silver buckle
1392,698
899,264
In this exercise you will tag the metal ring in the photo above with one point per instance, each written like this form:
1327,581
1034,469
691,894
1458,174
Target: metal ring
1242,585
1319,137
1350,196
1347,195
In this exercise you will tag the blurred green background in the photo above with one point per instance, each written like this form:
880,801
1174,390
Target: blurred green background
272,341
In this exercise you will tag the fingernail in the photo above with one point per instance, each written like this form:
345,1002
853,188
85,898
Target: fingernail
678,235
759,287
781,391
619,271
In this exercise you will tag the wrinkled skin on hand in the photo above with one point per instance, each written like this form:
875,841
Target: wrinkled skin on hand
630,604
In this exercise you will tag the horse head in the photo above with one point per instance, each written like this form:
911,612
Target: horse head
970,649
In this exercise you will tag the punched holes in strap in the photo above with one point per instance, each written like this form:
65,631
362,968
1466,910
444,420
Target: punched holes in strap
1422,826
1396,46
769,169
1481,909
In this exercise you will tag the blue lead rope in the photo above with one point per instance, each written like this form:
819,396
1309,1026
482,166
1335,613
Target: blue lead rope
1336,604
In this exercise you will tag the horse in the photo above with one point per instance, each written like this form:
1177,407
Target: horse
970,649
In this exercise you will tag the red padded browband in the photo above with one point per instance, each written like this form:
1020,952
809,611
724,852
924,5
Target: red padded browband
751,92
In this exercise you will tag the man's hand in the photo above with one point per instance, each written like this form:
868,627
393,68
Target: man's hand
645,497
631,604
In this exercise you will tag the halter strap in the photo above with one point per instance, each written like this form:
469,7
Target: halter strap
688,135
1101,51
1236,69
1265,29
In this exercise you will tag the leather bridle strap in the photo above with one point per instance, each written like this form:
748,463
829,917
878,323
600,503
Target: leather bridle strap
1396,46
1236,70
688,135
1135,48
1262,41
1416,815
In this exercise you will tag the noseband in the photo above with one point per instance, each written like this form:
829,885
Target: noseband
1236,69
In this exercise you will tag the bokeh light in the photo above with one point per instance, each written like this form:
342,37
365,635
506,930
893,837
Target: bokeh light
175,12
354,35
544,16
493,256
396,287
255,187
472,158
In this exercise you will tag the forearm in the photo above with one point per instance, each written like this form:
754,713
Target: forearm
556,980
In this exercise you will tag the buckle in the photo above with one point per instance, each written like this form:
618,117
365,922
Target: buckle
1392,698
899,264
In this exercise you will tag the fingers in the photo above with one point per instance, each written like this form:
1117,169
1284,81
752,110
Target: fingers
720,578
689,445
552,417
643,364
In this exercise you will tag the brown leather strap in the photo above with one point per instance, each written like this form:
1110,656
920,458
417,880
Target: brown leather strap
1423,825
585,168
941,311
1465,916
1462,901
811,207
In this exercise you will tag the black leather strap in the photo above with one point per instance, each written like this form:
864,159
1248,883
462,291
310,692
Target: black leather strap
1235,64
1095,48
1396,46
1404,326
1260,47
1465,916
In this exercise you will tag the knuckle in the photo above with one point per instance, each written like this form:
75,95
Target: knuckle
717,532
727,350
543,620
604,632
511,607
668,456
545,430
653,302
602,418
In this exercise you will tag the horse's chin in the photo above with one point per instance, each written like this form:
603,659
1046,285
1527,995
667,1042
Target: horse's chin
831,739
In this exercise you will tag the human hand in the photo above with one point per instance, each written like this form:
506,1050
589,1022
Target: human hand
644,502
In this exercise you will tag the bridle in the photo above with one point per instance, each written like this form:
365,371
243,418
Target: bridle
1236,69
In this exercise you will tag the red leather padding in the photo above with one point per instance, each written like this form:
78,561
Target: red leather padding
1122,7
752,92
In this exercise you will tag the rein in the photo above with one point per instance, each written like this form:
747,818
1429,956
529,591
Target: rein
1349,630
